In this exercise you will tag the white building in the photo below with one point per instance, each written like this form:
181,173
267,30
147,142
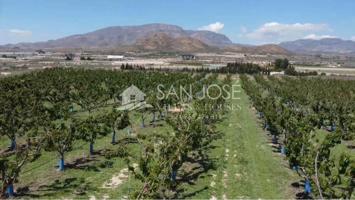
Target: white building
277,73
115,57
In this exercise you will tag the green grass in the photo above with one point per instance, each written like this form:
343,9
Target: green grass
250,169
44,181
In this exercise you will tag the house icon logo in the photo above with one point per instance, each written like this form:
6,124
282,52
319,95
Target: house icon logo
132,95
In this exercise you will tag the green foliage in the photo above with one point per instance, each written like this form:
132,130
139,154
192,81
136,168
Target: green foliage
12,164
244,68
281,63
163,156
60,136
91,128
298,108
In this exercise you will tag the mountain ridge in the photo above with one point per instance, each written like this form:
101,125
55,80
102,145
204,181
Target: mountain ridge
115,36
326,45
146,38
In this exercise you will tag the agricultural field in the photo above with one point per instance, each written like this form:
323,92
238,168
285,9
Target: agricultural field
73,134
312,121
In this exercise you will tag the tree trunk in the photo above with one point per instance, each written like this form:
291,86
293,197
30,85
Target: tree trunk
307,187
13,144
91,147
113,137
274,139
173,175
61,163
154,119
283,150
10,190
160,115
143,125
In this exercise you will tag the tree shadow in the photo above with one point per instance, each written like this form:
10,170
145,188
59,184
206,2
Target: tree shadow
296,185
303,195
127,140
189,177
7,152
192,169
191,194
85,163
69,185
275,149
124,141
299,186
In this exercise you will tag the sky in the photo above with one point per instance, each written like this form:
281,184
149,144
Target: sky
243,21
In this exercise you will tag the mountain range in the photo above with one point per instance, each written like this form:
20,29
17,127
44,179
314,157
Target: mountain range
131,36
149,37
326,45
171,38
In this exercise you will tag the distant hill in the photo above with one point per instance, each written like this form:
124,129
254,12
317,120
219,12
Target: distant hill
211,38
262,49
118,36
327,45
149,37
163,42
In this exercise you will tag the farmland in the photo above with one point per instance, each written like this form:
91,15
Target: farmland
162,99
66,134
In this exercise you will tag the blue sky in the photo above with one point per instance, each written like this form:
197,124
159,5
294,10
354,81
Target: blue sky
243,21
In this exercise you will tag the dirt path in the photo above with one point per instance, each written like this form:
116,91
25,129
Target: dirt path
118,179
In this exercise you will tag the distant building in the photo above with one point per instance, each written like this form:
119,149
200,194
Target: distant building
132,95
40,51
188,57
277,73
5,73
115,57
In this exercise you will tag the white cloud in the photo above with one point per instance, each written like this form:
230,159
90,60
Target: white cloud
274,32
318,37
215,27
19,32
8,36
352,38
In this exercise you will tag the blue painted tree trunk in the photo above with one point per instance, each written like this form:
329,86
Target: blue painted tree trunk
173,176
333,128
10,190
260,115
13,144
91,148
274,139
283,150
61,163
267,127
307,187
113,137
